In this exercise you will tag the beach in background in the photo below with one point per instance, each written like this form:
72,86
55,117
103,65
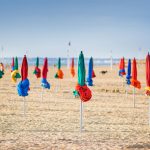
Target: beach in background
52,61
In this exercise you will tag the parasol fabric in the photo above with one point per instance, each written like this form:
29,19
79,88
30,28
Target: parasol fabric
90,71
122,67
16,64
81,89
44,81
15,73
37,70
148,75
128,76
16,68
12,65
134,81
93,74
1,70
59,73
72,70
23,86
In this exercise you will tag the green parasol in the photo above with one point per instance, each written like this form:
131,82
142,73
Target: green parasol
16,68
81,73
59,73
16,64
81,89
37,62
59,63
36,65
81,70
1,74
1,70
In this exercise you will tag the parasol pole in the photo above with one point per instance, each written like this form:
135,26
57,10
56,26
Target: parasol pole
126,90
57,86
68,59
122,82
56,89
24,106
42,93
134,96
60,85
149,111
81,116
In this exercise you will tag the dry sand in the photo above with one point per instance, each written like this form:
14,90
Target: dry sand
110,121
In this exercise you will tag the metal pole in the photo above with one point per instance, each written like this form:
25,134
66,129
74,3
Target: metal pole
68,59
42,94
134,96
122,81
126,90
81,116
149,111
24,106
57,87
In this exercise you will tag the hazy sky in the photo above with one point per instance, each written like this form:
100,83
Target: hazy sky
44,27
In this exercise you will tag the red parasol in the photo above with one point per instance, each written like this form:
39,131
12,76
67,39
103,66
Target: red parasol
93,74
72,68
148,74
123,63
24,68
12,65
134,81
72,63
45,68
122,67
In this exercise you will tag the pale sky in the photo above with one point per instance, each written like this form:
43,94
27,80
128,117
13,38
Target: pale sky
44,27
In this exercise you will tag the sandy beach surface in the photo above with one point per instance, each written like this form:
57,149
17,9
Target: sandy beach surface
53,123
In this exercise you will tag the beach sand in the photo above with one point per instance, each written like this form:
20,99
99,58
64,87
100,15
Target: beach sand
110,119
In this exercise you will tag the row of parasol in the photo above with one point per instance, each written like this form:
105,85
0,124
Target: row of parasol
23,91
81,89
131,79
131,75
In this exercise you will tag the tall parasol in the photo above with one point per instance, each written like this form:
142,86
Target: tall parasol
148,80
12,65
37,70
44,81
90,72
23,86
128,76
134,82
15,74
81,89
72,70
1,70
59,73
122,67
